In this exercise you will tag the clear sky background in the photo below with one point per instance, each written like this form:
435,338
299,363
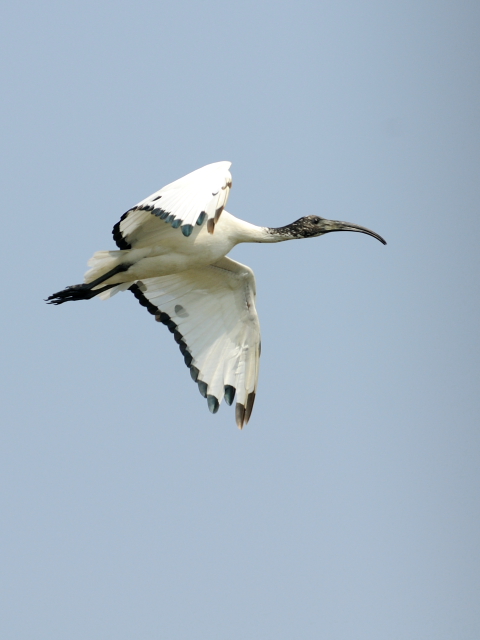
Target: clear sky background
348,508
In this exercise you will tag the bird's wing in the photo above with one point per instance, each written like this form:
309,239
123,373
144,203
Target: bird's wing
197,197
211,313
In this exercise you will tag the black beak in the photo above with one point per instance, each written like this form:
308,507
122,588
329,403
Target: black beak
336,225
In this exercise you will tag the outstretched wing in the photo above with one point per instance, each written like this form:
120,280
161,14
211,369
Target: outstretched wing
198,196
211,313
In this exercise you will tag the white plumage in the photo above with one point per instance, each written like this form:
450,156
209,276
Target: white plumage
172,248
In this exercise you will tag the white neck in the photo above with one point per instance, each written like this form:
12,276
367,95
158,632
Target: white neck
243,231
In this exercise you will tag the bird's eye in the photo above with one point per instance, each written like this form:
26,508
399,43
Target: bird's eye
316,220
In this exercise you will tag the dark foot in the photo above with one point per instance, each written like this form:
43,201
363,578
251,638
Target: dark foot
76,292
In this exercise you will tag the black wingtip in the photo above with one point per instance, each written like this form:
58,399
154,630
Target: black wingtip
249,406
194,372
118,235
229,394
240,415
202,387
213,404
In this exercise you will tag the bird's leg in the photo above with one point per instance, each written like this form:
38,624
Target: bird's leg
85,291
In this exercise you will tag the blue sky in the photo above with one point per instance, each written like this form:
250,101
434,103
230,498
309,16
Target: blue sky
349,506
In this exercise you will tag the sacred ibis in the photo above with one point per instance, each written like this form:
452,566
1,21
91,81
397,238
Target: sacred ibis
172,249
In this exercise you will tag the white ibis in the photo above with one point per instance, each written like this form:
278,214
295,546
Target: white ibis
172,249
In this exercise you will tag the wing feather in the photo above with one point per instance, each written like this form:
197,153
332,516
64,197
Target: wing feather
189,201
211,313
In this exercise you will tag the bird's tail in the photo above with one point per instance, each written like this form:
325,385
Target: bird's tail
103,265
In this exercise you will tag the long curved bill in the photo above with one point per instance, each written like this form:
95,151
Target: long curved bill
337,225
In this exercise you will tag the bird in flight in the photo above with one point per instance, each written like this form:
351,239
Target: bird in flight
172,249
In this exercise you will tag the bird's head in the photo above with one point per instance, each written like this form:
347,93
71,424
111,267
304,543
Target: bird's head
312,226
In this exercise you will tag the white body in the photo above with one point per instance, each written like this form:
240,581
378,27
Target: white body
173,252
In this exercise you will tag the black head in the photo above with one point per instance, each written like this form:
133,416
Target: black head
312,226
